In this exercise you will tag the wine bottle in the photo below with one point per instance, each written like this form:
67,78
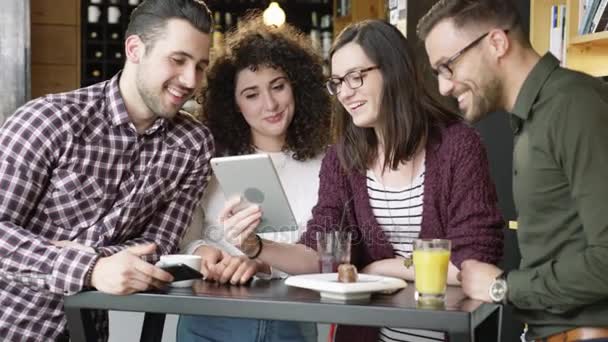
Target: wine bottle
227,22
93,14
218,32
315,34
115,35
326,36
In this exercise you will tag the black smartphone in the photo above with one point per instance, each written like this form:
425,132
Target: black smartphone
182,272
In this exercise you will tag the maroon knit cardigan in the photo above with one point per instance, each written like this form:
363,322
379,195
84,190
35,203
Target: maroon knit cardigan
459,204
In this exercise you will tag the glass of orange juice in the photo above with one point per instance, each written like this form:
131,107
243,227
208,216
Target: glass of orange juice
431,260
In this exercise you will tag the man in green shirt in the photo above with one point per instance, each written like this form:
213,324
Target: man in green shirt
483,58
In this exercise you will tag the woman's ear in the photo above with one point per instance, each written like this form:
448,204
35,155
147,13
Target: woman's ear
134,48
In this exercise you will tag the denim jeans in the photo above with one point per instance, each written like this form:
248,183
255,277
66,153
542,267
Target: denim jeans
220,329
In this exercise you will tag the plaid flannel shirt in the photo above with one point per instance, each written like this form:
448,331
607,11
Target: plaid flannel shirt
73,167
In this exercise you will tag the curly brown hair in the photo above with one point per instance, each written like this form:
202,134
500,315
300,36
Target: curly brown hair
255,45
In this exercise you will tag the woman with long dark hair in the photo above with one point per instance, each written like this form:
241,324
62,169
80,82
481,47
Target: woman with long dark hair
403,167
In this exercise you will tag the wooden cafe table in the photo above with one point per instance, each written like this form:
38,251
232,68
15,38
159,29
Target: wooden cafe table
462,319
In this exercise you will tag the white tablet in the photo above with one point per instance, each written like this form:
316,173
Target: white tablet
255,179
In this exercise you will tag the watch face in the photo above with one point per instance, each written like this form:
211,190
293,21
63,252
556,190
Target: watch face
498,289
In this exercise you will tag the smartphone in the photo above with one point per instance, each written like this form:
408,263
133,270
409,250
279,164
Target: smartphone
182,272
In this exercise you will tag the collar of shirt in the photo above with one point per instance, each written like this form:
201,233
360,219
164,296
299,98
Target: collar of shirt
533,85
117,109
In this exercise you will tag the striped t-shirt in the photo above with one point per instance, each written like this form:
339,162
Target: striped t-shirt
399,214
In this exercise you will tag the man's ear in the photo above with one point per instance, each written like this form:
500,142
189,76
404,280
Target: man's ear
134,48
499,42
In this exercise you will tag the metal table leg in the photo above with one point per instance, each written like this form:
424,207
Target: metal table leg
80,325
490,328
152,330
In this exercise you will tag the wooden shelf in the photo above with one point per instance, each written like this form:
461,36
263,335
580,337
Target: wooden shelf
587,53
599,38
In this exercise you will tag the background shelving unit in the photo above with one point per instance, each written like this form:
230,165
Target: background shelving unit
102,44
350,11
102,40
297,12
587,53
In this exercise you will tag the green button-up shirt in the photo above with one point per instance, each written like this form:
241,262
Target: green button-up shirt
560,187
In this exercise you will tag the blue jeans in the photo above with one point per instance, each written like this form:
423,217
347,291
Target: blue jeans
220,329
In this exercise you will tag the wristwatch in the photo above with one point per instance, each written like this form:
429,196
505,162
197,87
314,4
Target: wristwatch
498,289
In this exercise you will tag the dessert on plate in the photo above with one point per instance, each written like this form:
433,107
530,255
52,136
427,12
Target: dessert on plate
347,273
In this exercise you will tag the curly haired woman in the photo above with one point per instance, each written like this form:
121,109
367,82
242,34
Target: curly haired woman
264,94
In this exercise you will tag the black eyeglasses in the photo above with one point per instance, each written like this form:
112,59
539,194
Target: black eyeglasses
353,80
444,70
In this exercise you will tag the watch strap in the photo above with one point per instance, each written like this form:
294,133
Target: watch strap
503,276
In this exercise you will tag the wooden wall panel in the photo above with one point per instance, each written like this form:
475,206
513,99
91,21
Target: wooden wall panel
57,12
53,79
54,44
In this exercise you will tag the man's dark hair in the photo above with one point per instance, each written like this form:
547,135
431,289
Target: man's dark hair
468,13
149,19
408,114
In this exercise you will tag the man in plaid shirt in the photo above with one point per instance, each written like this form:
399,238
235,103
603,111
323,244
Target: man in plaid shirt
97,182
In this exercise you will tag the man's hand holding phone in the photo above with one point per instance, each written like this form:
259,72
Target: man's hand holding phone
125,272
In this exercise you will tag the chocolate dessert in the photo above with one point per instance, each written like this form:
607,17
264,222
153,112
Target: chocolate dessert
347,273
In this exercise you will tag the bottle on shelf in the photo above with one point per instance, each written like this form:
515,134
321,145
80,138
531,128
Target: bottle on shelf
113,15
94,35
326,36
114,53
228,25
343,8
218,32
315,34
115,35
347,6
93,14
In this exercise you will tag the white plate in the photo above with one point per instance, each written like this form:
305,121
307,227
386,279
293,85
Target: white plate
329,287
